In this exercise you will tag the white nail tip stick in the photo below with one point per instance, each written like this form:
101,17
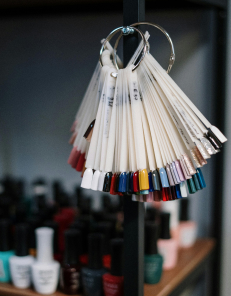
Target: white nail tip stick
45,270
183,189
87,179
101,181
95,180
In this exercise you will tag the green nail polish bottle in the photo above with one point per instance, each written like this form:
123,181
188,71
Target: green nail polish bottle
153,262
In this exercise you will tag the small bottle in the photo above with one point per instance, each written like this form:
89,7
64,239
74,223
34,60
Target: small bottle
45,270
153,262
20,264
5,250
167,246
106,228
92,275
113,282
70,270
187,229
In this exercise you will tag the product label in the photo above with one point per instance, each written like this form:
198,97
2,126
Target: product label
75,280
22,272
46,277
2,271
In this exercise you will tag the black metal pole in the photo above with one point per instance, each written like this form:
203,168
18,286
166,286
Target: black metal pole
133,11
219,102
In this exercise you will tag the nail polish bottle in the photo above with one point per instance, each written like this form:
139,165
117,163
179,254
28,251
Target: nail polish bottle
5,250
106,228
167,246
45,270
187,229
20,264
70,270
153,262
92,275
113,282
173,208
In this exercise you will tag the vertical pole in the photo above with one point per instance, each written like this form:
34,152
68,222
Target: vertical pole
133,11
219,102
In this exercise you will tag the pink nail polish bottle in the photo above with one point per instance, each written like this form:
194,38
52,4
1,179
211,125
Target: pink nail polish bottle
168,247
187,228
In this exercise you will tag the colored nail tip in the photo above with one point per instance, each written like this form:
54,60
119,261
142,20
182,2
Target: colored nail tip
202,150
74,157
151,188
184,169
173,174
179,170
195,158
127,182
112,187
156,180
150,197
164,194
80,163
201,178
173,192
196,182
72,138
95,180
169,174
201,159
163,178
178,192
191,186
123,182
117,180
101,181
157,195
131,183
136,182
189,165
73,126
107,182
89,129
143,180
144,192
210,149
213,140
87,179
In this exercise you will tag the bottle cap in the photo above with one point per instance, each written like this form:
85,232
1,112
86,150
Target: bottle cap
184,209
5,234
21,239
106,228
72,246
117,256
44,242
95,242
165,232
55,226
151,236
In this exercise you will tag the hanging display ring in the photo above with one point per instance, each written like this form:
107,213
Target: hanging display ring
124,31
172,56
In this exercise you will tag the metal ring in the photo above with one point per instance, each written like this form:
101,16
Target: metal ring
124,31
172,56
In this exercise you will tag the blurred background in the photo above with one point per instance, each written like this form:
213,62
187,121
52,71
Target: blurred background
48,52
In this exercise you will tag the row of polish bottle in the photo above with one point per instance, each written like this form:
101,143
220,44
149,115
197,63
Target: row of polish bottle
162,244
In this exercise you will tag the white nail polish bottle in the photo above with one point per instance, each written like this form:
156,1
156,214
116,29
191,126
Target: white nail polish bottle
20,264
45,270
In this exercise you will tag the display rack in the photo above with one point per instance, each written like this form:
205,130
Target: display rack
134,11
191,266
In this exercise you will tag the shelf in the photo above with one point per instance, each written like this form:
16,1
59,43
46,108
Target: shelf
189,261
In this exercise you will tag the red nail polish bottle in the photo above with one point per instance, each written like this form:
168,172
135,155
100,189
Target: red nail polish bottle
113,283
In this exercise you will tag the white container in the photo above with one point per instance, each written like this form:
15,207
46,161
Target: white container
20,269
45,270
